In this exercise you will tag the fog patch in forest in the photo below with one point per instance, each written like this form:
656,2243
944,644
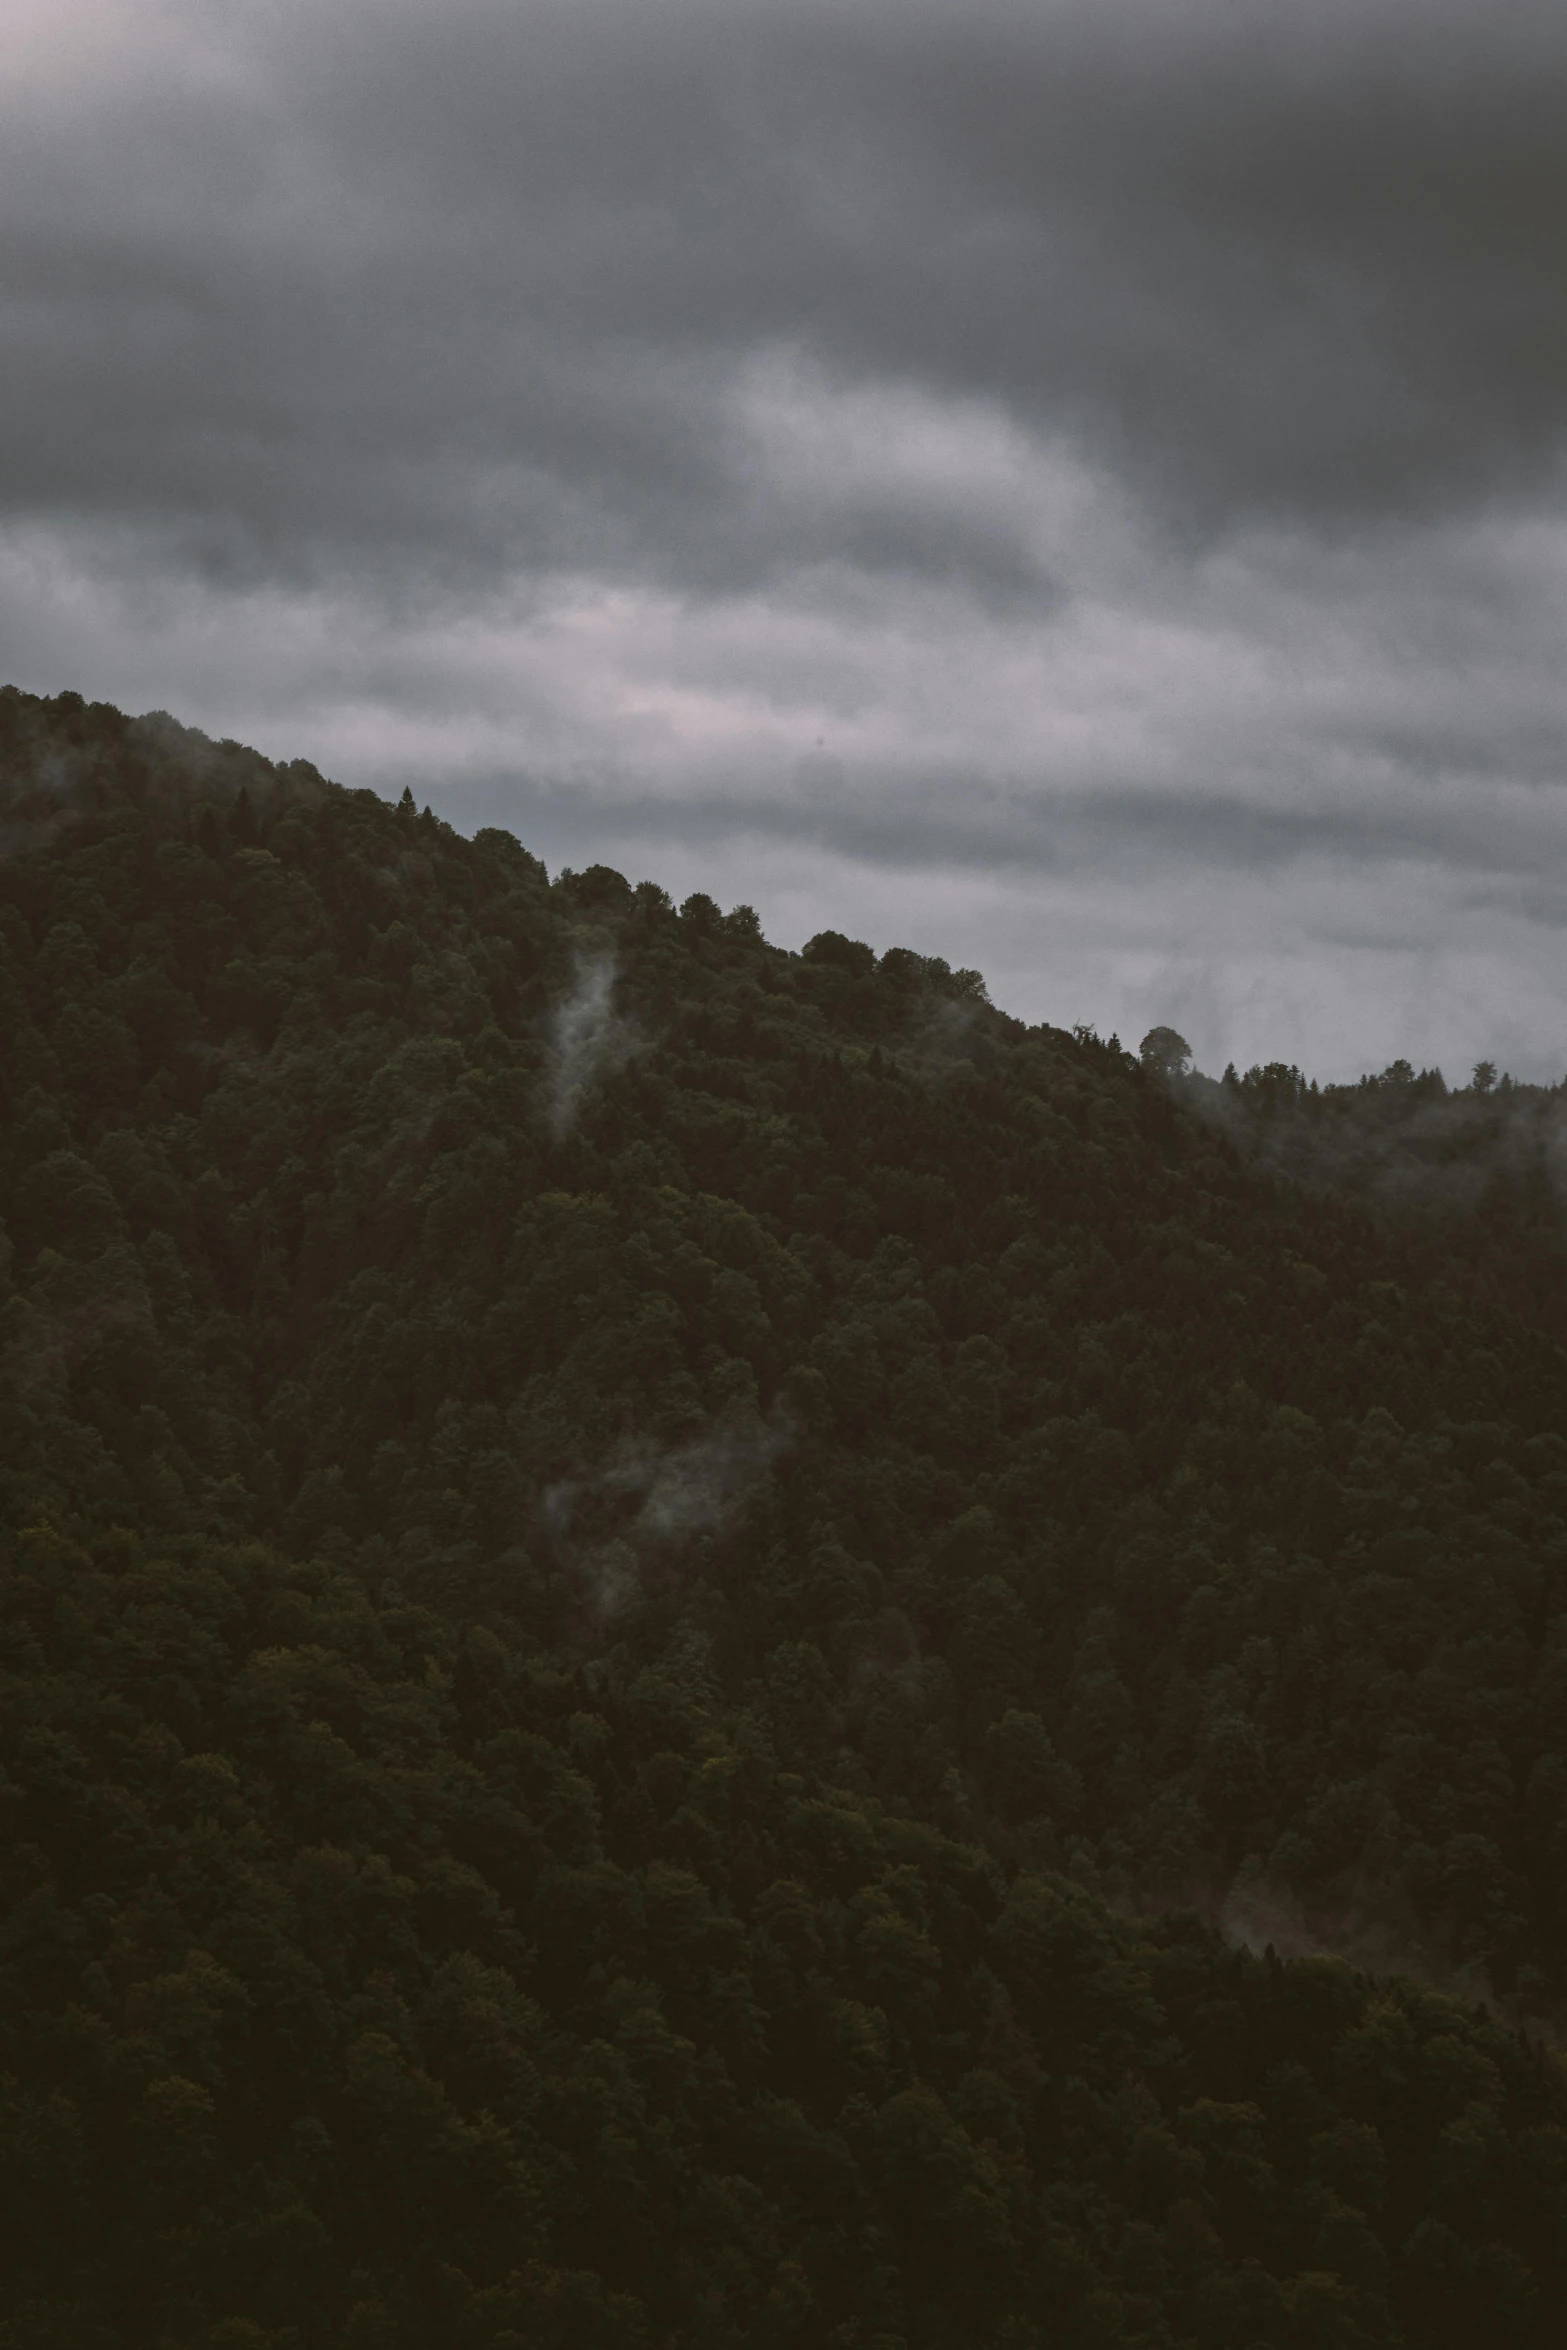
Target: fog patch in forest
947,1032
944,1026
51,783
684,1490
1402,1137
645,1498
588,1039
1379,1934
692,1488
39,802
611,1576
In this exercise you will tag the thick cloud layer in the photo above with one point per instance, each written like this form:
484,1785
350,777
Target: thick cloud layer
1078,488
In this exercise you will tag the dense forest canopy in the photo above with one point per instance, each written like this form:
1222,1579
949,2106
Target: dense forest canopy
703,1646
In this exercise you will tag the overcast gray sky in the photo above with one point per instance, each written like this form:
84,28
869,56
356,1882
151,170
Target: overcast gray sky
1074,488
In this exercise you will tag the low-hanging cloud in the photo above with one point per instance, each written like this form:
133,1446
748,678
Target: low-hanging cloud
1405,1138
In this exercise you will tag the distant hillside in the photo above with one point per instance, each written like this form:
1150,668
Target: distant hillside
653,1586
1488,1158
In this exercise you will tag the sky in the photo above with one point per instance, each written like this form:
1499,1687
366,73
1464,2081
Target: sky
1074,488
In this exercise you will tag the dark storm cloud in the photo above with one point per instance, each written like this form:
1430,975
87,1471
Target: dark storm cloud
1077,485
477,283
947,823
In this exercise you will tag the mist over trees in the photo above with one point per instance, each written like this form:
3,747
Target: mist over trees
701,1646
1489,1156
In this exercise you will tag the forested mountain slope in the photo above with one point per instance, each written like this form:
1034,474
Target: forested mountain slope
1489,1158
631,1559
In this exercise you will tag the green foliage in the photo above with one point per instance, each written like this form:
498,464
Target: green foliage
363,1976
619,1537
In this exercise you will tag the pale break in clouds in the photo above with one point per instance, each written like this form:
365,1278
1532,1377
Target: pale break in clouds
1074,488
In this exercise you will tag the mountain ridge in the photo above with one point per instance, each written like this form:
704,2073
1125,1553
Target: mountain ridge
563,1416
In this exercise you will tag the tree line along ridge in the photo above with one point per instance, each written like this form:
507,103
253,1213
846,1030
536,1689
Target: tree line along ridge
707,1646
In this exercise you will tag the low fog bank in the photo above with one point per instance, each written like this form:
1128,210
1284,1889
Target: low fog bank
1403,1136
